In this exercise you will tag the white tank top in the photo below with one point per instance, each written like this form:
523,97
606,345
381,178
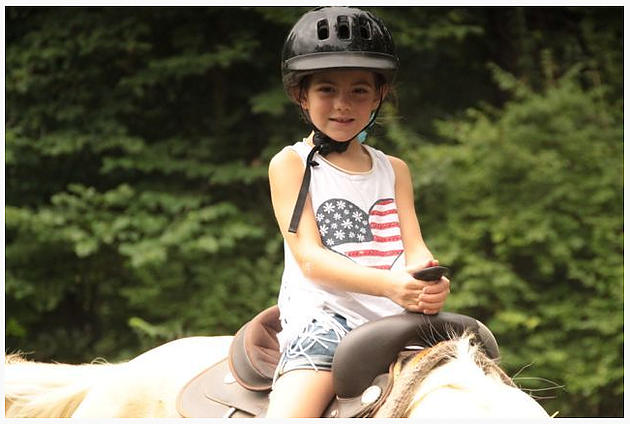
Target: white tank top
357,218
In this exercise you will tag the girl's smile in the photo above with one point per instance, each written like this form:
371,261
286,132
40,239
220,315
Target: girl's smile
342,121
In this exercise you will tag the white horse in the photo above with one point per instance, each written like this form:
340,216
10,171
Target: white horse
148,385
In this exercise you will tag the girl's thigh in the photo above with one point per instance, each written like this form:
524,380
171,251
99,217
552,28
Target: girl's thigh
301,393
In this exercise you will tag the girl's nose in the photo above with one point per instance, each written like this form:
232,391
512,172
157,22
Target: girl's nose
342,101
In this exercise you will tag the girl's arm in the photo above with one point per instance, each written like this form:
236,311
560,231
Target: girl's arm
416,251
317,262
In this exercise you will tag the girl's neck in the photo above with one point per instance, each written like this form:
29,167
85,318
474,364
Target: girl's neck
354,159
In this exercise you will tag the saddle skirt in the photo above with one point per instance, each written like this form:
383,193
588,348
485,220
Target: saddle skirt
215,393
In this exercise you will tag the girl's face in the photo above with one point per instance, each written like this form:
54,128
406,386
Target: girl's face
340,102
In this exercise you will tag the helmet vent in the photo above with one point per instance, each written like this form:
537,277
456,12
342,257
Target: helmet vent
322,29
365,30
343,28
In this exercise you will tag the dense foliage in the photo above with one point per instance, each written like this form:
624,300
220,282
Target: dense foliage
137,205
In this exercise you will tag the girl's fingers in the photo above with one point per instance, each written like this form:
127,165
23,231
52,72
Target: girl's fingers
442,285
413,307
433,298
412,297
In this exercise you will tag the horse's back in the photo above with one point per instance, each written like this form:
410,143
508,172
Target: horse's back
148,385
193,348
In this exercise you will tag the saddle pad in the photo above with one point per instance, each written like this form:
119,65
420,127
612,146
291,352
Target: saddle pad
211,395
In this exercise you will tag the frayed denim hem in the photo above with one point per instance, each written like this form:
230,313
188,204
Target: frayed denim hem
315,346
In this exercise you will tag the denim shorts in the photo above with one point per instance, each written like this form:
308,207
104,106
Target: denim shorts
314,347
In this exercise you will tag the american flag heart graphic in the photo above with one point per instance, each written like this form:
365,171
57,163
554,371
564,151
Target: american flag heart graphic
369,238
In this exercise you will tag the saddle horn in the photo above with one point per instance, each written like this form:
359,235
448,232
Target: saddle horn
368,350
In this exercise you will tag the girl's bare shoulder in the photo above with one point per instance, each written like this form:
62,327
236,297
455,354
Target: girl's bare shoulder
286,162
399,165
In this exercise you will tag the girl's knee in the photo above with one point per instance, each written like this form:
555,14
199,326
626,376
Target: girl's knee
301,394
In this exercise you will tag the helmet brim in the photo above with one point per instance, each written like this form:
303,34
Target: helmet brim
377,62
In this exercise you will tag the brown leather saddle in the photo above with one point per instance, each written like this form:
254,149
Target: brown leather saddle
363,366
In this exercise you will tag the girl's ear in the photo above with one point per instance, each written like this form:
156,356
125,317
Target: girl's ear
303,100
298,97
384,90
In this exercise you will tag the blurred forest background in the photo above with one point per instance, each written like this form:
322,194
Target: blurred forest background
137,202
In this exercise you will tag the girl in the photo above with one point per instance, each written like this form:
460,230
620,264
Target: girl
352,239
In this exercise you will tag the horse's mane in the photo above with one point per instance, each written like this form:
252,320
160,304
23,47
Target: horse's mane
415,372
37,390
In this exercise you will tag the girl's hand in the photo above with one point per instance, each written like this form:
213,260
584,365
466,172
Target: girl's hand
433,294
405,290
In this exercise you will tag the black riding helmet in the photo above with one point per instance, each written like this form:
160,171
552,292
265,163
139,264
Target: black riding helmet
337,37
334,38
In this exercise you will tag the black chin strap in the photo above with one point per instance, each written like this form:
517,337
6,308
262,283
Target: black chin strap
324,145
328,145
306,181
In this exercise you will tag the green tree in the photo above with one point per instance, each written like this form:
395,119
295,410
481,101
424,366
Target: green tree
526,205
132,172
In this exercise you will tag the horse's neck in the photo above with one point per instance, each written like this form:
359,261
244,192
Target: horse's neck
461,372
461,388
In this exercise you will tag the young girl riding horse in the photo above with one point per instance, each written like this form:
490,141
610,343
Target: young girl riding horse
352,239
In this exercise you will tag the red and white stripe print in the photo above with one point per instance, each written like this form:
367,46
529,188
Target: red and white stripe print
369,238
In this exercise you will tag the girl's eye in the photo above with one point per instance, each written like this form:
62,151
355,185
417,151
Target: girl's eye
325,89
362,90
